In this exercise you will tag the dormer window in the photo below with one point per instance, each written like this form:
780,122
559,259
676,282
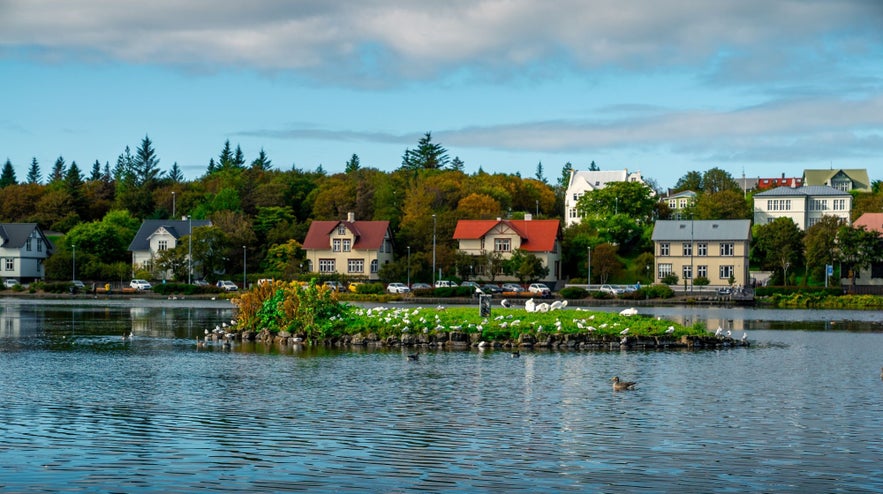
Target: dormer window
341,230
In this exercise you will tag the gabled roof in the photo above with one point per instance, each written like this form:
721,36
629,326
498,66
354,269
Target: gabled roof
536,235
596,179
677,195
368,235
685,230
14,235
859,177
810,190
176,228
872,221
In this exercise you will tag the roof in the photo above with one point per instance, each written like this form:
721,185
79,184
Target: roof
176,228
368,234
14,235
536,235
702,230
810,190
859,177
684,193
598,178
871,221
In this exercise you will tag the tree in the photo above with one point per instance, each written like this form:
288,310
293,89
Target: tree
262,162
146,165
539,173
285,260
95,175
352,165
820,246
593,167
723,205
690,181
427,156
457,164
175,174
718,180
632,199
478,206
58,170
605,264
778,245
7,177
34,175
525,266
858,247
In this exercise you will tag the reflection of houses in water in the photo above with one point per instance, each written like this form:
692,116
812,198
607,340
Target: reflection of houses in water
168,321
17,321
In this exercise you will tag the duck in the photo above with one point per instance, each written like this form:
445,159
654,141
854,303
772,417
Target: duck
516,354
413,357
622,385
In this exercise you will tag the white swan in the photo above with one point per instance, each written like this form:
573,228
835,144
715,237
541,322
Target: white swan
530,305
631,311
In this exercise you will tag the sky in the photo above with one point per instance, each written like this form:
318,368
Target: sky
755,87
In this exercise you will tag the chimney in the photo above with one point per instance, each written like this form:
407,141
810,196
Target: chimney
351,217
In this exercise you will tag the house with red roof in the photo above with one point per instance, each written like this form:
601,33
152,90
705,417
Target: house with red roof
870,280
350,247
481,238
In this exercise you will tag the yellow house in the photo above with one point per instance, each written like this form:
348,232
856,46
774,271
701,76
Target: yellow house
352,248
713,249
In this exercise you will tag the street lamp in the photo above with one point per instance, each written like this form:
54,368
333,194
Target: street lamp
244,284
589,265
409,266
173,204
190,250
692,275
74,268
433,250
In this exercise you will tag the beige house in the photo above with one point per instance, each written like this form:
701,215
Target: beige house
713,249
537,237
804,205
351,248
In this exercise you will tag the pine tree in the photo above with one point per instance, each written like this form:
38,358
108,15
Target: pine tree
175,174
427,156
539,174
34,175
146,165
457,164
353,164
593,167
262,162
211,167
225,159
7,177
58,171
96,172
238,158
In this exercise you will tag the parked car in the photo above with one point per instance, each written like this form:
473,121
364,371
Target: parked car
491,288
539,289
200,283
612,290
421,286
335,285
79,285
138,284
445,284
354,286
512,287
227,285
397,288
10,283
469,283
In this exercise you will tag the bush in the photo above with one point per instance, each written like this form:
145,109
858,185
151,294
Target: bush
670,279
370,289
574,292
602,295
701,281
57,287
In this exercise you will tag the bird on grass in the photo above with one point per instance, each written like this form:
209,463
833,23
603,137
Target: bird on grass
622,385
413,357
624,331
631,311
670,330
505,303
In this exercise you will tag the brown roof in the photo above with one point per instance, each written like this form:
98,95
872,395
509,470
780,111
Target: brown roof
872,221
368,234
536,235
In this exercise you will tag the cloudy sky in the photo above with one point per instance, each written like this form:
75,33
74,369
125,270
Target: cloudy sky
761,87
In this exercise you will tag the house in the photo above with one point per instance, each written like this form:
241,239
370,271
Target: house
714,249
23,249
870,280
582,182
840,179
155,236
679,202
537,237
353,248
804,205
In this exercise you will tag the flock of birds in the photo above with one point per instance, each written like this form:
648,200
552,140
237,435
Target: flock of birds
223,333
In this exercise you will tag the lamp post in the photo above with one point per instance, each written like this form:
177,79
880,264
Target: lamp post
244,284
538,207
692,276
190,250
589,266
173,204
433,250
74,267
409,266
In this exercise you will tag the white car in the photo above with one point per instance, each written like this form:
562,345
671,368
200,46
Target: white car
539,289
10,283
227,285
140,284
445,284
612,290
397,288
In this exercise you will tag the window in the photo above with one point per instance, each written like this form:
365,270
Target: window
839,204
326,265
355,266
688,272
374,266
39,245
335,245
664,249
818,205
811,221
727,249
574,213
682,203
702,249
575,197
702,271
726,272
663,270
502,245
28,244
10,264
346,245
341,230
162,245
688,249
672,203
778,205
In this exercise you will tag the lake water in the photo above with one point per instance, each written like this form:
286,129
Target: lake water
83,410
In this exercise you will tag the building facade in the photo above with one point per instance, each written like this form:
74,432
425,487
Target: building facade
713,249
23,250
804,205
352,248
155,236
582,182
845,180
481,238
679,202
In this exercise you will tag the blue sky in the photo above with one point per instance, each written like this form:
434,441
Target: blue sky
763,87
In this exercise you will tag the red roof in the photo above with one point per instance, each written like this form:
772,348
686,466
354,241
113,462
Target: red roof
536,235
872,221
368,234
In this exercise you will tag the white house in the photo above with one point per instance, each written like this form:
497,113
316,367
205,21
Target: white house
582,182
23,249
155,236
804,205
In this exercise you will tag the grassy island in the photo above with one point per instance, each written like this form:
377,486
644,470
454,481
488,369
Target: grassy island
312,314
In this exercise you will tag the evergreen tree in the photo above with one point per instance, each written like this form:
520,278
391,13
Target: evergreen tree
427,156
211,167
262,162
107,176
353,164
123,172
58,171
457,164
7,177
566,171
225,159
96,172
238,158
175,174
34,175
539,174
593,167
73,179
146,165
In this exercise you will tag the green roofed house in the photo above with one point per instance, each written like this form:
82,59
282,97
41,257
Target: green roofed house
845,180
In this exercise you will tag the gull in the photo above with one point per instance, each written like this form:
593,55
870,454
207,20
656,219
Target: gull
624,331
744,336
670,330
719,331
729,333
591,328
592,317
505,303
622,385
631,311
624,340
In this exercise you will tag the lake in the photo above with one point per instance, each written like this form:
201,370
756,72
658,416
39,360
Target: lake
86,410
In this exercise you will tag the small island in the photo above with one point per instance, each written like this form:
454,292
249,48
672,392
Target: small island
296,314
